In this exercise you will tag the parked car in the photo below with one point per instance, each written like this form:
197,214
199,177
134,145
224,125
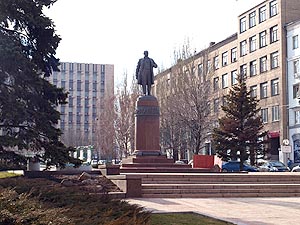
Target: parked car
179,162
71,167
295,167
234,166
291,166
273,166
94,163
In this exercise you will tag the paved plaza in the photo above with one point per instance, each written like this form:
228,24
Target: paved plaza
241,211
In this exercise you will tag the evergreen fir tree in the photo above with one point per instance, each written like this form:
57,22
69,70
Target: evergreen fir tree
240,133
28,117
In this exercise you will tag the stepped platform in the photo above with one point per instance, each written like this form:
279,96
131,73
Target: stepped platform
156,164
218,185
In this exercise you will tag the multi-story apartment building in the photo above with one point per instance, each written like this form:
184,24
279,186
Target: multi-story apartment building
293,85
258,50
86,84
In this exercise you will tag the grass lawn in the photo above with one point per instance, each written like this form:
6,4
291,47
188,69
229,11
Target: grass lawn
6,174
183,219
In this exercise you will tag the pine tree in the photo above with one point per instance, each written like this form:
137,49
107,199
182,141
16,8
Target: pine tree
28,116
240,132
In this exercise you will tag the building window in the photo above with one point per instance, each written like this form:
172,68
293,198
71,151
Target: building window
243,48
253,91
216,62
234,77
253,70
252,19
224,102
79,67
87,68
63,109
252,41
102,69
225,80
86,86
95,68
79,76
274,34
78,85
243,70
263,64
70,101
262,39
216,83
295,42
63,76
242,24
262,14
275,113
273,8
208,66
71,76
264,115
71,67
263,90
94,77
200,69
297,117
233,55
296,93
216,105
224,59
63,67
274,87
274,60
296,68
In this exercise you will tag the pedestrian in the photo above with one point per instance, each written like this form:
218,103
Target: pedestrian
289,162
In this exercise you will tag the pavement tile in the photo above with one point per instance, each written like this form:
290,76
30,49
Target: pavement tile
241,211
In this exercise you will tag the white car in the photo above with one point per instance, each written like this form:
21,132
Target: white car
296,168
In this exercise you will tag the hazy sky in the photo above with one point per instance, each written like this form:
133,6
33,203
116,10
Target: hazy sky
118,31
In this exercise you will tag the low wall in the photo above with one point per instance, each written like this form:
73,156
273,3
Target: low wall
131,185
47,174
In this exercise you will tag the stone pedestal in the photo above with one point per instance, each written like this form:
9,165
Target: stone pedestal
147,126
147,156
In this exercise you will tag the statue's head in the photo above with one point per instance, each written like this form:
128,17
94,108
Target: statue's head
146,53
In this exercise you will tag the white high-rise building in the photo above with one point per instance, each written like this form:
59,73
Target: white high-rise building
87,84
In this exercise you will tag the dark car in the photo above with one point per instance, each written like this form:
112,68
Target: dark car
234,166
273,166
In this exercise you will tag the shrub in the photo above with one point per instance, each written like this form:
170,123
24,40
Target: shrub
84,208
20,209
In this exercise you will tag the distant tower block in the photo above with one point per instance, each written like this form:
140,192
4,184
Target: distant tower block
147,126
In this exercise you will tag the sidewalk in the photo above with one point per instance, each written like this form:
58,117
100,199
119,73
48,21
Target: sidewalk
241,211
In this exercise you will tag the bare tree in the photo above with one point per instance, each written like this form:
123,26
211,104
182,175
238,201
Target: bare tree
125,123
105,132
186,119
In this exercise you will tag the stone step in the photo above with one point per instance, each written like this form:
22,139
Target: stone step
147,159
217,177
157,165
215,185
213,181
217,191
222,195
209,187
147,170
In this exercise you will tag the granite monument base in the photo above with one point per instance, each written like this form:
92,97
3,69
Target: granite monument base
147,156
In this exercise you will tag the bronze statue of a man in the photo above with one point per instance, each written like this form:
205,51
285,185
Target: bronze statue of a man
144,73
